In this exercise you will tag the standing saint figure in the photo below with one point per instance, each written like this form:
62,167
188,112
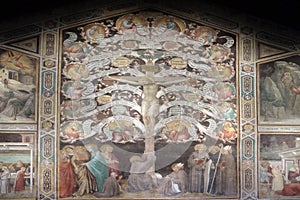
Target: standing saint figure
19,184
97,165
277,182
198,166
86,181
214,155
67,178
4,180
111,160
227,175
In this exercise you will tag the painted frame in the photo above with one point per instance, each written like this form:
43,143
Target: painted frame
18,154
278,94
18,87
277,153
104,86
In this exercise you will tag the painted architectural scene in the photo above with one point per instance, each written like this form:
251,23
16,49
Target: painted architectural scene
279,165
18,164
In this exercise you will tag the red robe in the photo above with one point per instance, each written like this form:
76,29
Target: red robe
20,181
67,181
291,189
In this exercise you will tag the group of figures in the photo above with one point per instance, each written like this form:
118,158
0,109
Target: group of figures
89,170
13,177
84,169
273,176
153,78
279,91
211,170
117,87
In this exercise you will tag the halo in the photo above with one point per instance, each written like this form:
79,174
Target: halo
106,147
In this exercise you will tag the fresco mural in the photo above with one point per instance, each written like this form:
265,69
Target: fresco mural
279,165
279,112
149,103
161,92
279,91
18,164
18,75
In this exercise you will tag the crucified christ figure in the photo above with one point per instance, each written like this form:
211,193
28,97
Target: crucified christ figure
150,103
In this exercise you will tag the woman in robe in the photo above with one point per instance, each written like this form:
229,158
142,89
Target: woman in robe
20,180
86,181
111,159
67,179
97,166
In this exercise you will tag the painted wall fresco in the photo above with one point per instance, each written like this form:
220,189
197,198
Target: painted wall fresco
279,165
18,165
278,91
173,94
141,83
144,80
279,108
18,89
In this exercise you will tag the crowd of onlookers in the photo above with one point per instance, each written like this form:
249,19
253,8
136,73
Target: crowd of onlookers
88,169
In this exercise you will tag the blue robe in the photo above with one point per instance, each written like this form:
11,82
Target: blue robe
98,167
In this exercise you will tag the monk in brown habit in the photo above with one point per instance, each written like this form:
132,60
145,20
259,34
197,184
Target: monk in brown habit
111,187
